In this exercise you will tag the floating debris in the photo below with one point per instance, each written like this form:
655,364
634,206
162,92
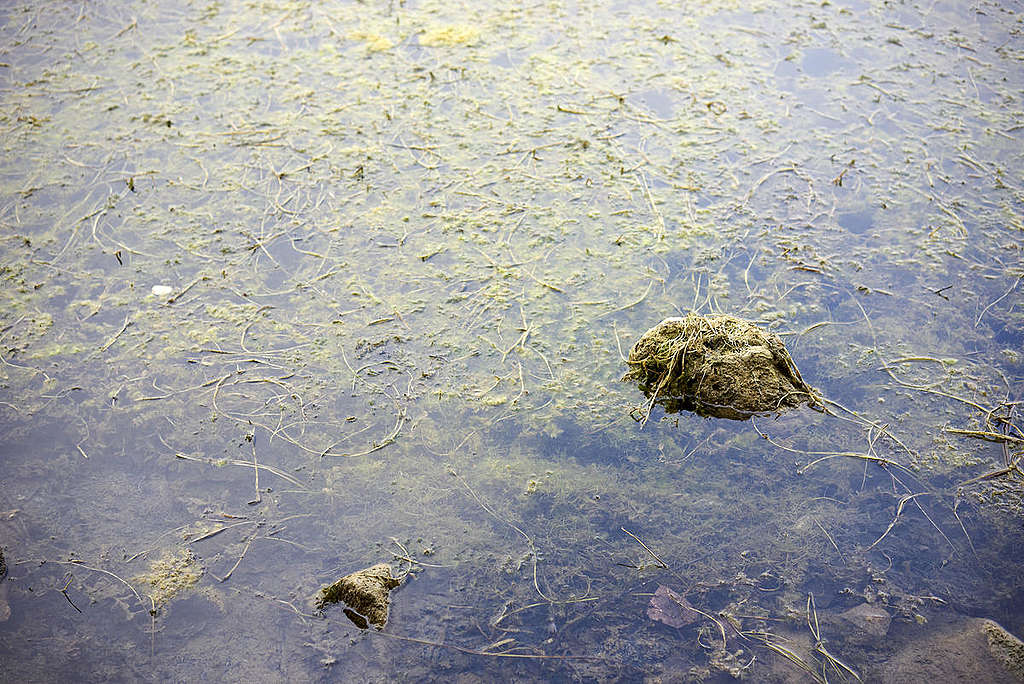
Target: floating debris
365,593
716,365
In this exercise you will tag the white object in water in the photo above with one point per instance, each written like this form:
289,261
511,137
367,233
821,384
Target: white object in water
162,290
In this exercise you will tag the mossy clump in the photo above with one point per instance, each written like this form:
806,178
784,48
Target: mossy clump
365,593
716,365
1006,648
171,575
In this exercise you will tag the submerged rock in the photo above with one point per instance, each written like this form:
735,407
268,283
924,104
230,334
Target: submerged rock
716,365
365,593
869,619
966,650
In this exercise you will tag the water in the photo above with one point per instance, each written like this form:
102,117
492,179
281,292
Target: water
403,272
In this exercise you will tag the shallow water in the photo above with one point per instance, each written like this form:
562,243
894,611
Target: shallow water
407,246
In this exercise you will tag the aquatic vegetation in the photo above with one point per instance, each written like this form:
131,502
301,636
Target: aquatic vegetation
449,36
717,365
170,575
366,594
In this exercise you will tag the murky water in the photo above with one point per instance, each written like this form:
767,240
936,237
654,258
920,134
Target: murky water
291,289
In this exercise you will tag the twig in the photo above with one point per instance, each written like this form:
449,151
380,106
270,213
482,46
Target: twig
173,298
246,464
399,422
1003,296
831,540
772,643
471,651
838,666
654,207
238,562
65,592
256,469
80,564
628,306
1015,466
664,565
127,322
529,540
986,435
899,509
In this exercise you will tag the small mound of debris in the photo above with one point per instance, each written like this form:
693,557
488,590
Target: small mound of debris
716,365
365,593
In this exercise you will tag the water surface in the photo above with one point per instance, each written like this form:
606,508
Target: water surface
294,288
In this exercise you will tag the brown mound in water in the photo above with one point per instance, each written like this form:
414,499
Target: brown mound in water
365,593
716,365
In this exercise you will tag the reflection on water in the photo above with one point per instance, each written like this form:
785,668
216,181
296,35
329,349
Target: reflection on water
408,247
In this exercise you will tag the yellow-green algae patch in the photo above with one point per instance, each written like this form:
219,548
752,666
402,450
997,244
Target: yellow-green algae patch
171,575
450,36
374,41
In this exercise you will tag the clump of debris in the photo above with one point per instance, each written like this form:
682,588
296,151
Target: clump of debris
716,365
365,593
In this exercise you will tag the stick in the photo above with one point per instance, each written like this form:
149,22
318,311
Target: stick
246,464
831,541
987,436
1005,294
65,592
899,510
630,305
127,322
664,565
256,468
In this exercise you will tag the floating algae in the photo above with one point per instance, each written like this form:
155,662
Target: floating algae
716,365
171,575
365,593
450,36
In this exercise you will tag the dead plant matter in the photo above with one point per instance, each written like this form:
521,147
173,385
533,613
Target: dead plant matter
716,365
365,593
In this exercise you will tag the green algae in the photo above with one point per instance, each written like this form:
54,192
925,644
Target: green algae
450,36
171,575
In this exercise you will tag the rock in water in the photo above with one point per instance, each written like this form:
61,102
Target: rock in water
717,365
870,619
960,650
